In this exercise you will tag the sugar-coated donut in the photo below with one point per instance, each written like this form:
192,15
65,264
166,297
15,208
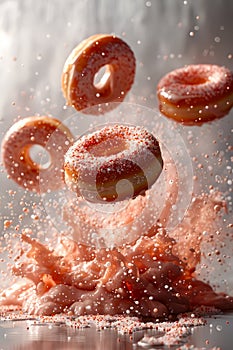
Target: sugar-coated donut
196,94
16,147
114,163
86,60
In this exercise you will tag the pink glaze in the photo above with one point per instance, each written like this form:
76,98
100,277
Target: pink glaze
97,162
144,278
195,94
16,157
84,63
189,248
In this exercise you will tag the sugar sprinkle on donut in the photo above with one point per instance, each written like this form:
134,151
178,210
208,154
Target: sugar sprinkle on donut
196,94
118,154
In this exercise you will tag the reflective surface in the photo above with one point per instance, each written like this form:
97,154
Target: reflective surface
27,335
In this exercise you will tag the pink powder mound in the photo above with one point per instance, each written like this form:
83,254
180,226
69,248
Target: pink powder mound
152,277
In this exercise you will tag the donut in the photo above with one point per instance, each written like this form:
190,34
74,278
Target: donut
196,94
86,60
112,164
16,147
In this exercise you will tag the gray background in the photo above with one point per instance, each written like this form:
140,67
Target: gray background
37,36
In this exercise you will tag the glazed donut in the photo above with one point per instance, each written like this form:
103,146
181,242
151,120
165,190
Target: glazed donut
113,164
196,94
86,60
16,146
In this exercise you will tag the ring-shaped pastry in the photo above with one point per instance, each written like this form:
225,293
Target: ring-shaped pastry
113,164
84,63
16,147
196,94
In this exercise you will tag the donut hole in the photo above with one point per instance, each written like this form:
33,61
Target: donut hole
194,80
39,156
125,186
101,79
109,147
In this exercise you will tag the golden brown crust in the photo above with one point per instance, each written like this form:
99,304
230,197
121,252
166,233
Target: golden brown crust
16,147
97,163
86,60
196,94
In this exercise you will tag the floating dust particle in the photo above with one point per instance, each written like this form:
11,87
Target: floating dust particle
7,223
148,4
35,217
217,39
